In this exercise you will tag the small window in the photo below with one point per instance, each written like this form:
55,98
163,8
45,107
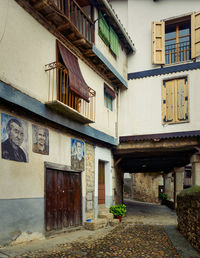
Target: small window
109,96
175,101
108,101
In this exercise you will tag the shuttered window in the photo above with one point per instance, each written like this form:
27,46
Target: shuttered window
175,101
113,42
104,30
108,35
175,41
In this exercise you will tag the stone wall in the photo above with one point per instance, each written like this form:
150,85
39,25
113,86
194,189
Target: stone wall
145,187
90,176
188,212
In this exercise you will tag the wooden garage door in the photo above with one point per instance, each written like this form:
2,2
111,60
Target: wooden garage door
63,199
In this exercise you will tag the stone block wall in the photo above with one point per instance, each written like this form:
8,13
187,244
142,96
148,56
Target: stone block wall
188,212
145,187
90,176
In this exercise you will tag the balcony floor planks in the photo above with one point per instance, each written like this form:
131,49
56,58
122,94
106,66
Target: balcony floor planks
58,106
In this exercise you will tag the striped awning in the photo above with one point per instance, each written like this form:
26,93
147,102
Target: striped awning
77,83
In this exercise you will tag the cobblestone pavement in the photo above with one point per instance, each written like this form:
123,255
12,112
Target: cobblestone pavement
148,230
122,241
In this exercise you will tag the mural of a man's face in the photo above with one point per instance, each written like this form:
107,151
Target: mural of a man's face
16,134
41,137
79,148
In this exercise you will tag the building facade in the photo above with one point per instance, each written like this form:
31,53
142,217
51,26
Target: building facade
62,69
160,131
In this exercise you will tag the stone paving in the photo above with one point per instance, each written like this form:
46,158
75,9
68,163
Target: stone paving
147,231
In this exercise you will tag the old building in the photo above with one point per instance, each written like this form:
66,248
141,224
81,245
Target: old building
159,119
63,66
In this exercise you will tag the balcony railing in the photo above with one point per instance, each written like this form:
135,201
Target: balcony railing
178,52
59,90
78,17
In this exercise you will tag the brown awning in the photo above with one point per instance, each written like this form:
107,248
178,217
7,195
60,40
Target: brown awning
76,81
109,91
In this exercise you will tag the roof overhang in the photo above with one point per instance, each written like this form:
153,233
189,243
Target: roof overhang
155,153
113,19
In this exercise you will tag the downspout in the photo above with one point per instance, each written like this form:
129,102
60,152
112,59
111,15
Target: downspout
108,7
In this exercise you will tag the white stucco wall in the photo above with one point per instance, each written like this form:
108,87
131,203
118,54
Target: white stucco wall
26,180
26,47
105,118
141,14
142,105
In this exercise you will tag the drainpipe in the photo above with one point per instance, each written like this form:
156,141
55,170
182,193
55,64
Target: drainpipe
110,10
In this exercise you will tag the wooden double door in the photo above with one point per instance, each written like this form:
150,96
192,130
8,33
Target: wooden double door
63,199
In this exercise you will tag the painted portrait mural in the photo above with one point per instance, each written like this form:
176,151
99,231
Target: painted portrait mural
77,155
14,138
40,138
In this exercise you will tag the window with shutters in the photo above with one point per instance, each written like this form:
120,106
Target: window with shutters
175,41
108,35
175,101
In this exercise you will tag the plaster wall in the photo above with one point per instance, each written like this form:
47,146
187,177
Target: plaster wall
104,119
142,105
26,47
22,184
16,178
141,14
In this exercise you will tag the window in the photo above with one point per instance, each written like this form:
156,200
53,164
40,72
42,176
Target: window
108,101
108,35
176,41
175,101
109,96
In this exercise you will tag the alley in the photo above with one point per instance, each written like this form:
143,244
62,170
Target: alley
144,232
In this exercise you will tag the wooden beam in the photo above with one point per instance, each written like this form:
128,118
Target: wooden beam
117,162
79,42
41,4
63,26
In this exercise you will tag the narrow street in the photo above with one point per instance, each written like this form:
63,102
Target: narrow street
148,230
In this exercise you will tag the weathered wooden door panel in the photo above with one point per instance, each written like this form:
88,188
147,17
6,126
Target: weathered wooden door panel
63,199
101,183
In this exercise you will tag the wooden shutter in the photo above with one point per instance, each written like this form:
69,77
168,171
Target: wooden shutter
181,99
195,35
164,110
169,100
158,43
186,99
104,31
113,41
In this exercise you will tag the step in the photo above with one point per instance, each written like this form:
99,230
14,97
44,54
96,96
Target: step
108,216
96,224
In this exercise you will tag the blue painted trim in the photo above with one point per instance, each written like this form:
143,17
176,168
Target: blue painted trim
108,64
16,97
165,70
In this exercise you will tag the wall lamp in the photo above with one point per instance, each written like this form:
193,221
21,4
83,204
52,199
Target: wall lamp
100,18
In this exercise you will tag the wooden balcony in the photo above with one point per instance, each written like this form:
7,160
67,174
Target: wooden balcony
65,101
65,16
